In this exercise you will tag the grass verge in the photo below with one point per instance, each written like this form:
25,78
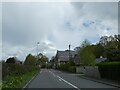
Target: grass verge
19,81
0,85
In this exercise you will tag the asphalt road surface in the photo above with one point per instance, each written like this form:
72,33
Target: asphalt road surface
49,78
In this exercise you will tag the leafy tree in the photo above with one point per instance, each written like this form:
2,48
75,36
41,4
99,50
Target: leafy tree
86,54
85,43
98,50
30,60
11,60
76,49
42,61
111,47
117,39
103,40
112,51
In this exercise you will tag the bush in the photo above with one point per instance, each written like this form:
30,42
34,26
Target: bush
72,69
16,69
16,82
68,67
110,70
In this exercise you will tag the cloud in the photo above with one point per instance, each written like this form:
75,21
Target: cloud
0,31
55,25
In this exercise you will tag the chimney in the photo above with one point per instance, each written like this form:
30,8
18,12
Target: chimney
69,47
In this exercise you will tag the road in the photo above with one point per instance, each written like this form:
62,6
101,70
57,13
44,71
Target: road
49,78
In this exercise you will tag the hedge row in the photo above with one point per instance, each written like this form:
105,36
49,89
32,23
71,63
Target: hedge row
67,67
16,69
110,70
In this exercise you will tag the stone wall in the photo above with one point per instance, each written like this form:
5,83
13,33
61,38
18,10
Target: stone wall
92,72
88,71
80,70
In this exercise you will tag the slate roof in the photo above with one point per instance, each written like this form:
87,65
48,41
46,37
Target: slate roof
98,60
64,55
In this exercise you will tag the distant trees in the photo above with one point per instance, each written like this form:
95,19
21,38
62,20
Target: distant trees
108,46
98,50
36,60
11,60
85,43
111,46
30,60
42,61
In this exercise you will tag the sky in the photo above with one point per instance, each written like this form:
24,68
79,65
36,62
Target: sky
55,25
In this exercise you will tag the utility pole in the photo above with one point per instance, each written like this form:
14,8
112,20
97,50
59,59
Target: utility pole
37,50
69,52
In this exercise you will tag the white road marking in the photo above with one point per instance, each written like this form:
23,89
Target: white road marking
68,82
61,79
52,73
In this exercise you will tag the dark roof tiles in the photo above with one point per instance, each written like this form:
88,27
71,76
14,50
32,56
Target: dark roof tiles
64,55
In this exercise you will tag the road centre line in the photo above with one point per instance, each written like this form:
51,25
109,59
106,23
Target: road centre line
65,81
68,83
60,80
52,73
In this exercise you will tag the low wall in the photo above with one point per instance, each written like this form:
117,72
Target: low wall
92,72
80,70
88,71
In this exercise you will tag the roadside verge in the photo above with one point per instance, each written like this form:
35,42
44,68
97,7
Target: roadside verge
26,85
115,84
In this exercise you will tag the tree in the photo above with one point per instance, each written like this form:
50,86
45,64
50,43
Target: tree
30,60
42,61
103,40
111,46
76,49
117,39
85,43
86,55
112,51
11,60
98,50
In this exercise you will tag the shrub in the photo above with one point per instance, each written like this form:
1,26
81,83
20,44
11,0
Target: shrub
72,69
110,70
68,67
16,69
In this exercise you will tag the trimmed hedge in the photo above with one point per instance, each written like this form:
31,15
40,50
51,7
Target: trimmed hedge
72,69
67,67
110,70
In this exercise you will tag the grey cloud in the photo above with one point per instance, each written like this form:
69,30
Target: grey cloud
102,10
54,25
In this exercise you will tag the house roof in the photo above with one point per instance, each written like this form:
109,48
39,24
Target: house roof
64,55
98,60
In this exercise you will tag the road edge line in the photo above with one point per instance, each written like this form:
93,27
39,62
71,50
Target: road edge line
29,82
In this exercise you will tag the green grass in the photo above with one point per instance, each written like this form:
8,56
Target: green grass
12,81
0,85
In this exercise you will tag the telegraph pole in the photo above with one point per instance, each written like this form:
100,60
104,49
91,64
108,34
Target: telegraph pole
37,49
69,52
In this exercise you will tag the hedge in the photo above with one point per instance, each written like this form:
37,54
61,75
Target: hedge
72,69
110,70
67,67
16,69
